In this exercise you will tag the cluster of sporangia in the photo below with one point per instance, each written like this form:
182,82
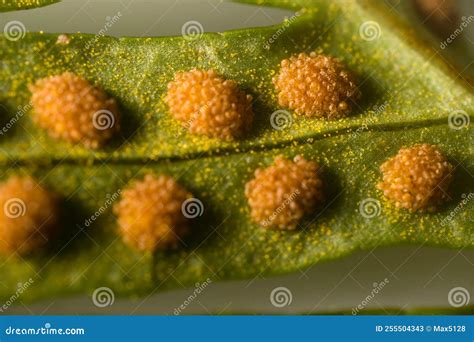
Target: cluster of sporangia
150,213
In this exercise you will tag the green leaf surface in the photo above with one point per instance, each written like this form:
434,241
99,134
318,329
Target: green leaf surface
14,5
408,96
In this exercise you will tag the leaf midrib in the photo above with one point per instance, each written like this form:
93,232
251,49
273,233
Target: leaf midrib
230,151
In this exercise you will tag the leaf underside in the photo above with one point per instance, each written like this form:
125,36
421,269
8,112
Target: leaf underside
408,96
